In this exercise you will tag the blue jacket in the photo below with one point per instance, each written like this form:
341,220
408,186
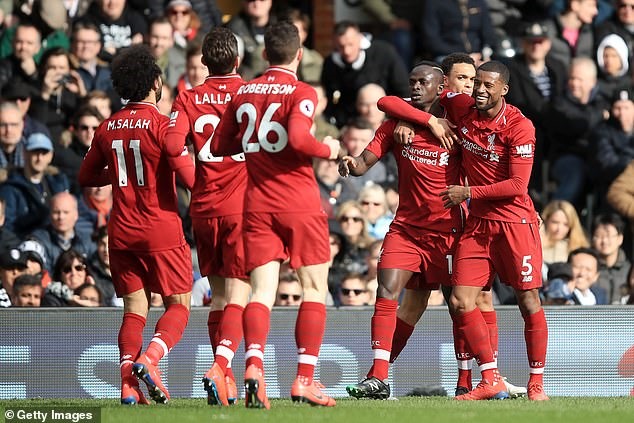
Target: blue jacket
49,239
26,206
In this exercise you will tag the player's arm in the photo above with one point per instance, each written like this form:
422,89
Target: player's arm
183,166
302,141
225,142
177,129
93,171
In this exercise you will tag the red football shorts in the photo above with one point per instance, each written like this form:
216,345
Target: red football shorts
513,250
277,236
427,253
165,272
219,243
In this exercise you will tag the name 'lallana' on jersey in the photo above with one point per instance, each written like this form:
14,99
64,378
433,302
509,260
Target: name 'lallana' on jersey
212,98
267,89
128,124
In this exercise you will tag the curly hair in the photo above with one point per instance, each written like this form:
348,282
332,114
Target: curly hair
134,71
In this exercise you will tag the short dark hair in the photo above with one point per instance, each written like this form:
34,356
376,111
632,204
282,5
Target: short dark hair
497,67
220,50
612,219
454,58
281,42
86,110
343,26
585,250
357,122
134,71
25,280
65,260
432,65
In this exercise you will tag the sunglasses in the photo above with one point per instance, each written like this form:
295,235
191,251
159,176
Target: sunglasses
367,203
87,127
77,268
346,292
351,218
296,297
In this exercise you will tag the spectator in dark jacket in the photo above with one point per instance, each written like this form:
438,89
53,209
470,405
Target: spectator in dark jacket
21,65
99,265
27,191
8,239
355,62
614,71
621,23
20,93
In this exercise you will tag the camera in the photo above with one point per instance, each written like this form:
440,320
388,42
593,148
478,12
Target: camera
65,79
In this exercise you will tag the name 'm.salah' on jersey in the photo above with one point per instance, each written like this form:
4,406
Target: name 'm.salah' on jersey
144,214
272,115
220,181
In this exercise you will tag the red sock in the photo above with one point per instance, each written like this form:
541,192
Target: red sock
402,333
383,326
309,332
255,321
490,317
169,330
229,335
130,343
473,328
536,336
213,323
464,358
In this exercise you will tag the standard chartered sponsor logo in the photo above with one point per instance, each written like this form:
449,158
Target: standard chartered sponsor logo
422,155
474,148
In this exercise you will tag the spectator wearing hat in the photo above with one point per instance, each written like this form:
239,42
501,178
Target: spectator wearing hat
11,136
20,93
35,260
613,141
621,23
613,58
184,21
12,265
28,190
537,80
27,291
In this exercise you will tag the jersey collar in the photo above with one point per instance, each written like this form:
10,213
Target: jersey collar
492,124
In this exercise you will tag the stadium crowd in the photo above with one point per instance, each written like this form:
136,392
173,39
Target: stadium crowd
571,74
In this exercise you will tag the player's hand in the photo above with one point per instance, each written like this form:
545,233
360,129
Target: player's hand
443,130
403,133
454,195
345,164
335,147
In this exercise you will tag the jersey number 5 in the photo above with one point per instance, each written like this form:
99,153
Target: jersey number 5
122,168
264,128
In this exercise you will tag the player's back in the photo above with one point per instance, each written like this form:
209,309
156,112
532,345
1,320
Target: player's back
144,215
220,181
280,177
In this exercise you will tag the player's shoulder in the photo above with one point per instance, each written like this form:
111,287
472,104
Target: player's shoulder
516,118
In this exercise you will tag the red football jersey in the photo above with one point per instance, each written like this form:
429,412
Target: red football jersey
131,143
220,181
424,169
497,157
272,116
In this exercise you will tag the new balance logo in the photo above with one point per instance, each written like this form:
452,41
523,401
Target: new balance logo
254,347
374,385
126,357
301,350
525,151
528,278
226,342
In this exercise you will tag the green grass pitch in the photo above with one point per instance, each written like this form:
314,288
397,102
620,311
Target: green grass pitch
406,409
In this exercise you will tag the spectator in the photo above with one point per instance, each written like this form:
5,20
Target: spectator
336,267
613,141
354,291
208,11
160,39
120,25
355,62
60,91
367,98
249,26
312,62
561,232
627,289
12,265
99,265
621,23
88,295
100,101
27,191
21,64
607,240
613,58
321,127
620,194
195,71
374,206
11,136
451,26
60,235
167,99
20,93
184,21
95,205
355,229
355,137
68,160
571,31
333,189
27,291
7,237
289,291
35,265
585,271
570,121
70,273
560,284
